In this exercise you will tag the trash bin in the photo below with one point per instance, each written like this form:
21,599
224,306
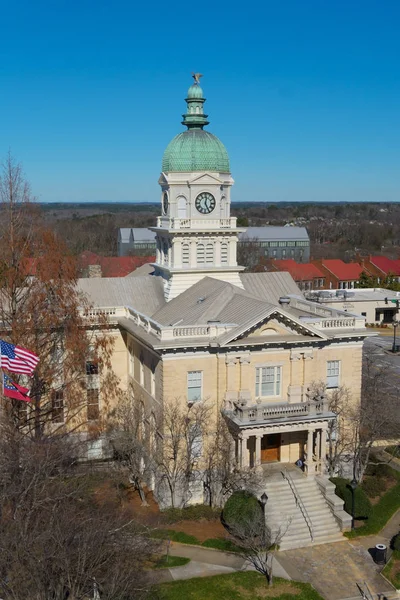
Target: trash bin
380,554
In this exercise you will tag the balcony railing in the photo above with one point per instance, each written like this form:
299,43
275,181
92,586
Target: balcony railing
267,412
174,223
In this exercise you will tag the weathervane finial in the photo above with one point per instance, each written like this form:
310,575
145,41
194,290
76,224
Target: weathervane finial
196,77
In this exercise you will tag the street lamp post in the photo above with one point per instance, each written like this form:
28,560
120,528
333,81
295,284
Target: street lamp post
353,486
395,324
263,502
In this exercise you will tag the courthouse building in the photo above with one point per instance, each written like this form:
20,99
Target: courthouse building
199,328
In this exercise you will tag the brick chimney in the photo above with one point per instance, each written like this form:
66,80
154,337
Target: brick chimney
94,271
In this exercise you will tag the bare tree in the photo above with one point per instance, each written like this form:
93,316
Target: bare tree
60,540
178,463
257,540
339,434
376,418
126,430
249,252
41,309
221,475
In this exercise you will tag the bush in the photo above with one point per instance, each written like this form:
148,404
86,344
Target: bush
191,513
379,470
241,508
362,505
395,543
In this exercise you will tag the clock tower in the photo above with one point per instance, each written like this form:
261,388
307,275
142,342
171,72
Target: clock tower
196,236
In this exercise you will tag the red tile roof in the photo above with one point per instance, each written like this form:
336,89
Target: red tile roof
386,265
113,266
343,271
299,271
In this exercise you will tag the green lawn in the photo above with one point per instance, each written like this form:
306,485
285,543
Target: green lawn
377,514
235,586
184,538
392,569
165,562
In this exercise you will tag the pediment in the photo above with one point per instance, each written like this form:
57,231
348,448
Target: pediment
163,179
274,325
205,179
270,327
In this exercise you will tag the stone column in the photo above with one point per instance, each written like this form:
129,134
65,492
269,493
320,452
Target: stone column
307,371
231,393
258,450
295,383
310,451
245,452
193,253
244,372
217,253
177,253
240,451
318,450
323,451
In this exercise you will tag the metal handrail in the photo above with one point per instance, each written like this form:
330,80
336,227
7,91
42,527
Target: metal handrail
299,502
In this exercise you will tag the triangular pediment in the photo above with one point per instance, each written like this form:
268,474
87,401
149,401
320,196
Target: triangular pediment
205,179
275,324
163,179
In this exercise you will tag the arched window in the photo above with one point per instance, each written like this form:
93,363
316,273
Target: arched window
182,210
210,254
224,253
165,249
200,254
185,254
222,207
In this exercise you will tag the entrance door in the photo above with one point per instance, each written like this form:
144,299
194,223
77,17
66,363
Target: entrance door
270,448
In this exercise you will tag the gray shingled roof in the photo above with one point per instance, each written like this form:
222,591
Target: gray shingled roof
124,234
273,233
145,294
210,300
270,286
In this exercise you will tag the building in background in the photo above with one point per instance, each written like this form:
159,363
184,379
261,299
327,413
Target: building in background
137,241
375,304
338,274
307,275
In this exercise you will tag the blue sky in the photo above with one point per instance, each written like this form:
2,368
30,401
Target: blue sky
305,94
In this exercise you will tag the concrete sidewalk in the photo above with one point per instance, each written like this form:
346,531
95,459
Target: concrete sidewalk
205,562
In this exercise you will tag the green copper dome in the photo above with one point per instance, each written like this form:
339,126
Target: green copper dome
195,149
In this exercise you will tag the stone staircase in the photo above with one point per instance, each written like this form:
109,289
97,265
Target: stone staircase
308,520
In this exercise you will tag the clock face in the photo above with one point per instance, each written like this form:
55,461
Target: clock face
165,203
205,203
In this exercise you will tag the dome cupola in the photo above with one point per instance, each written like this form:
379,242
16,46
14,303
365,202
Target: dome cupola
195,149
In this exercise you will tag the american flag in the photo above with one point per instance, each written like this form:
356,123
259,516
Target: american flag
17,359
14,390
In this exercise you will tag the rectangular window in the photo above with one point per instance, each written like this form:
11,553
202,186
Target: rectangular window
92,367
57,406
93,405
141,370
153,380
332,373
268,381
282,244
195,441
290,243
194,385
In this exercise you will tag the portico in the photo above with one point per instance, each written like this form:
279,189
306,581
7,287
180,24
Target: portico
282,433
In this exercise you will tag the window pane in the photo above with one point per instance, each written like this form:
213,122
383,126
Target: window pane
93,409
194,385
